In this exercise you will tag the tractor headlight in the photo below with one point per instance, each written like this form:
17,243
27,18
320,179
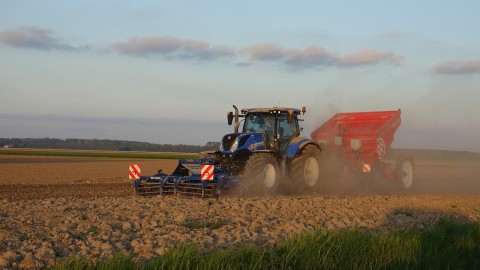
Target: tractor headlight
234,146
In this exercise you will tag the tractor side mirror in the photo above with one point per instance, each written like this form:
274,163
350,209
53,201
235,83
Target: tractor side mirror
290,117
230,118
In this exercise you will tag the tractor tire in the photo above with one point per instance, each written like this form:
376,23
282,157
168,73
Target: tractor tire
306,170
405,173
261,175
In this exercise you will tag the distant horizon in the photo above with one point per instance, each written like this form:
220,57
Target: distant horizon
200,145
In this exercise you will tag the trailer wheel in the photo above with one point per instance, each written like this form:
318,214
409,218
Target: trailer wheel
306,169
405,172
261,175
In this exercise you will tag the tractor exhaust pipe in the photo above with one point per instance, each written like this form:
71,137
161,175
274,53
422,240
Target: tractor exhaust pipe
236,119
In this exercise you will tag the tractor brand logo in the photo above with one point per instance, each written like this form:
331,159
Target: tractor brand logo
207,172
134,172
255,146
380,148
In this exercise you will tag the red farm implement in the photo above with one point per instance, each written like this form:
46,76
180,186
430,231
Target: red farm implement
360,141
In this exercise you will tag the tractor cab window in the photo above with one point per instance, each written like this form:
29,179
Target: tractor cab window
287,131
263,123
258,123
251,124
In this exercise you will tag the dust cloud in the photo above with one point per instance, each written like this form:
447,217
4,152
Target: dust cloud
440,130
436,173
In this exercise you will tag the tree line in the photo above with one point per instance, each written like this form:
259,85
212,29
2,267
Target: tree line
114,145
118,145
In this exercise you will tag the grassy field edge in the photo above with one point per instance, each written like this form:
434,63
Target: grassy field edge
448,245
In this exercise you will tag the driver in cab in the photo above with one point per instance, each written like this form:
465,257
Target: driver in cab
269,130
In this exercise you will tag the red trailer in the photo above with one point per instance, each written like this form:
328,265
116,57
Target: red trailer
360,140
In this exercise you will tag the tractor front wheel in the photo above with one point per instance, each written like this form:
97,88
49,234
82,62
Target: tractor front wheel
306,169
261,175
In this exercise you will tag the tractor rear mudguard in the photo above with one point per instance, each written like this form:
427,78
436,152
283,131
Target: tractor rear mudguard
296,145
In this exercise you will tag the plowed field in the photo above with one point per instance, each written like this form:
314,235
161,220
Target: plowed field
55,207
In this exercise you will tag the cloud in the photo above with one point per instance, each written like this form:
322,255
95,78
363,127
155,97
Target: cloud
315,56
369,57
34,38
174,47
311,56
264,52
458,67
171,47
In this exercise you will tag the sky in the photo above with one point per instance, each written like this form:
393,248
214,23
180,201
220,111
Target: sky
169,71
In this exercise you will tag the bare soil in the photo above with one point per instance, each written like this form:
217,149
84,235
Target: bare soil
53,208
74,170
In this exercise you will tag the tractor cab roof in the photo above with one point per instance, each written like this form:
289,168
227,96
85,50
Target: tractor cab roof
271,110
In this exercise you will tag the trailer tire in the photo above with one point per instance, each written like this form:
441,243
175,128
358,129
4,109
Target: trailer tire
405,173
306,169
261,175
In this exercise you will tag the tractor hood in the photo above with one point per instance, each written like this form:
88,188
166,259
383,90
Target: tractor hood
243,141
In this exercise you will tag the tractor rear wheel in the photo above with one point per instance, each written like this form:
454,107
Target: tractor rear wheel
261,175
306,169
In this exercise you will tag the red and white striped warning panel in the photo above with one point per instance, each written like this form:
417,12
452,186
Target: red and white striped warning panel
207,172
134,171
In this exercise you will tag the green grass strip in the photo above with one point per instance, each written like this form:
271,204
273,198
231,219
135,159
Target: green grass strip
449,245
95,154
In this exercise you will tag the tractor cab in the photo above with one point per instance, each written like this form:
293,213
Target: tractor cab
277,126
274,127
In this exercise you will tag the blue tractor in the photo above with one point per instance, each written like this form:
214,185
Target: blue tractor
268,156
